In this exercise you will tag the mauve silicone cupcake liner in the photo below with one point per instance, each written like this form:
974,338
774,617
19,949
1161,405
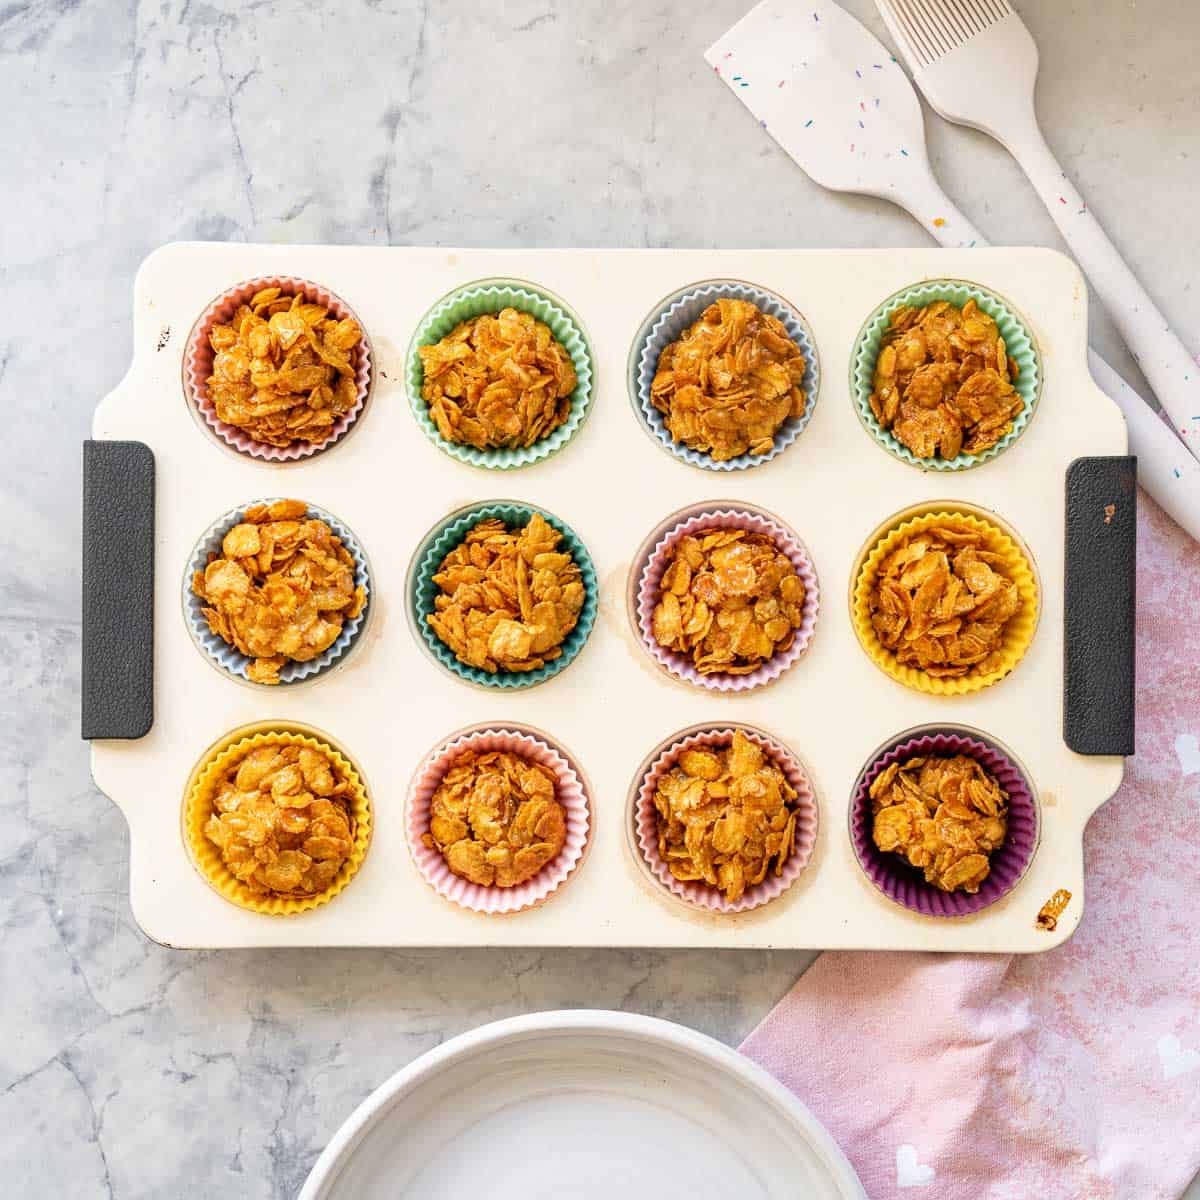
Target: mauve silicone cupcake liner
905,884
421,592
667,323
680,665
490,296
1019,344
571,793
229,658
198,360
697,893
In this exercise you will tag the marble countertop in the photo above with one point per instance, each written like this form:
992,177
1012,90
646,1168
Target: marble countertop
131,1070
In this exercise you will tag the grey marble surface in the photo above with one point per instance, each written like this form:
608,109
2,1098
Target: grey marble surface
128,1070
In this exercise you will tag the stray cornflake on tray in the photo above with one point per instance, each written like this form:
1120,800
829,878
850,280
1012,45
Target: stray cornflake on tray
944,380
726,815
940,602
943,814
495,819
730,599
507,598
498,381
281,588
282,369
730,381
282,819
1054,908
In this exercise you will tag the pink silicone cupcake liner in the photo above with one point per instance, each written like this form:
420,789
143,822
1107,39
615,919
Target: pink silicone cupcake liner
646,597
698,894
571,794
905,884
198,362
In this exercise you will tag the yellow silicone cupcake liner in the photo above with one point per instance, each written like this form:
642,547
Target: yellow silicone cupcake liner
1018,632
198,806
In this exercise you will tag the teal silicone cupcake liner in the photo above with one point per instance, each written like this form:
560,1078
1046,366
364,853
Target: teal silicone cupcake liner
228,658
1017,339
490,296
422,591
667,323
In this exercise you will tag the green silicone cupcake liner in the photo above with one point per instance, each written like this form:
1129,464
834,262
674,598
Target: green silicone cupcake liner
421,591
1017,339
490,296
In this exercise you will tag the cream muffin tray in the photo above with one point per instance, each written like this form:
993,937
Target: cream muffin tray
163,480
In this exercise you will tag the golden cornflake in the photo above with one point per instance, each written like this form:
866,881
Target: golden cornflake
944,814
730,599
940,602
729,383
282,819
495,819
283,370
943,380
725,815
507,598
499,380
1054,908
281,588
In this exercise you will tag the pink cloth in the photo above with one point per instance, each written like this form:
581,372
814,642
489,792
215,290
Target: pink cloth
1070,1075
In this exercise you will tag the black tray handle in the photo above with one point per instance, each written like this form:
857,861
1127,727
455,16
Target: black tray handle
1100,591
118,589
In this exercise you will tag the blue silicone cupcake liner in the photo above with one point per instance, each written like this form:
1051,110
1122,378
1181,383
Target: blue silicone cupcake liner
1018,341
490,296
667,324
421,591
231,660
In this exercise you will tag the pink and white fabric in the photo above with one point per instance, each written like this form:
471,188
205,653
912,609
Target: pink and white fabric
1071,1075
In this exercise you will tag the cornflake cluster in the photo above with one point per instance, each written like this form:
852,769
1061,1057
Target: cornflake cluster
282,820
281,588
728,384
944,381
507,598
725,815
944,815
498,381
940,602
495,819
730,599
282,369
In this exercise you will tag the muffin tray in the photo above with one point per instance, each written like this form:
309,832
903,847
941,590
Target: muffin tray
390,703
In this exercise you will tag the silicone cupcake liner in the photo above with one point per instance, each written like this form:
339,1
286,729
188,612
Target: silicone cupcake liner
490,296
699,894
905,884
570,793
1018,632
667,324
207,857
646,596
198,361
231,660
1017,339
422,591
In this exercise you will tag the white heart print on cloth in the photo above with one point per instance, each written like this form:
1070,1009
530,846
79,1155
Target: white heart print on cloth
1187,750
911,1172
1176,1059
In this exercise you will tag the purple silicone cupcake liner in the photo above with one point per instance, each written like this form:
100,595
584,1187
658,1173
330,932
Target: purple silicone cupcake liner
646,597
697,893
198,361
905,884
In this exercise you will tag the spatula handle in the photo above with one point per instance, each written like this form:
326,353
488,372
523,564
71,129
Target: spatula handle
1165,468
1171,371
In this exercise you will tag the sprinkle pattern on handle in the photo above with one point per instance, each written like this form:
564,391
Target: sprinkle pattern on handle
1098,620
118,590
